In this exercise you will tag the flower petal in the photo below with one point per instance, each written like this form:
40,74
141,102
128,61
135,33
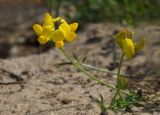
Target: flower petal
48,20
42,40
128,48
71,36
63,21
47,32
57,36
59,44
139,45
47,17
65,28
56,19
37,28
73,27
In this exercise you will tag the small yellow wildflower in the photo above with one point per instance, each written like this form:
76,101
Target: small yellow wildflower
48,32
122,35
129,48
68,30
45,32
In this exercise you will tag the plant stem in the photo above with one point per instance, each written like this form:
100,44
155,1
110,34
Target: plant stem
102,69
119,67
117,92
77,65
118,75
87,66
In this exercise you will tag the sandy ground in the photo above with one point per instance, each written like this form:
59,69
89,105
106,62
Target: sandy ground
32,83
43,88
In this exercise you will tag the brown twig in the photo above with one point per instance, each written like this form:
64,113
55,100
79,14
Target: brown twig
11,83
12,75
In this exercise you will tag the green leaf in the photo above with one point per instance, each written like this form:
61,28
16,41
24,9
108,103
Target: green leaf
125,103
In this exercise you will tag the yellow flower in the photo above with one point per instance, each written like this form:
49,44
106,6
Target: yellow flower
129,48
122,35
68,30
48,32
64,32
45,32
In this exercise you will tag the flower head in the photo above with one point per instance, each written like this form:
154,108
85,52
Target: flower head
68,30
125,42
48,32
44,33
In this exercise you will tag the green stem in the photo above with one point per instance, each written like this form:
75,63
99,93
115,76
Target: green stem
117,92
98,68
102,70
119,67
120,94
118,75
77,65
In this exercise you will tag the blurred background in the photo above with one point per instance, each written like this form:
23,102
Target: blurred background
18,16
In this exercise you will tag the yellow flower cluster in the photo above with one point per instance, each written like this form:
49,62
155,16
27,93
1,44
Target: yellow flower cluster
125,42
47,31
